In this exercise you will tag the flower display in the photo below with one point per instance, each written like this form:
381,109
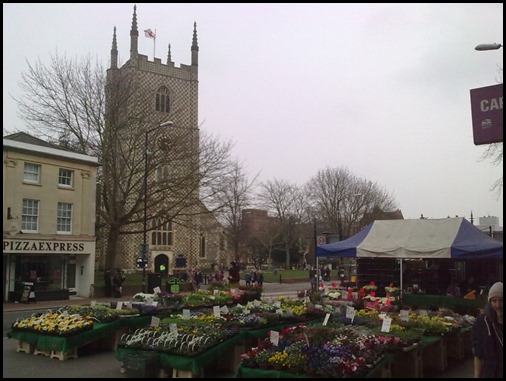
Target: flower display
320,351
370,287
54,323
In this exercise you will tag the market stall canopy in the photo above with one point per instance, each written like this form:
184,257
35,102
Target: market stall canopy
454,238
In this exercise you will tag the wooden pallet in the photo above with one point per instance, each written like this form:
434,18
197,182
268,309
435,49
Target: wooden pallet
62,356
23,346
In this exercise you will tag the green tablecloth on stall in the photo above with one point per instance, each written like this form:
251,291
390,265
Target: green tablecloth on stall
193,363
64,344
246,372
44,342
428,301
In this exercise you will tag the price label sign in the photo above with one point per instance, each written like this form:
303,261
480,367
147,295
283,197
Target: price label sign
385,327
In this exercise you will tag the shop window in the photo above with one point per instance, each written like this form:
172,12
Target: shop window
30,216
65,178
31,173
43,270
64,221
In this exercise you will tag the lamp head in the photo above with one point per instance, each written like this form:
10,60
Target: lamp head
166,123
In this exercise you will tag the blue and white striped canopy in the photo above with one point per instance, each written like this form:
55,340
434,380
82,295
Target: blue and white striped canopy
453,238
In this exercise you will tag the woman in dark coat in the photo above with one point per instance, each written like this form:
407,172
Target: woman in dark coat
487,336
233,275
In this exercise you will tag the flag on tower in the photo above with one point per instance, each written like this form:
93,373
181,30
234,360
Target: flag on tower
149,33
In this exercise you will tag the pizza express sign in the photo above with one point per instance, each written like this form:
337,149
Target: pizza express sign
47,247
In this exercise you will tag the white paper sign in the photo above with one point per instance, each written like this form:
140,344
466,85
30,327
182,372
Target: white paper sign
404,315
385,327
274,337
119,305
173,328
277,304
350,312
186,314
216,311
224,309
326,320
93,303
156,290
155,321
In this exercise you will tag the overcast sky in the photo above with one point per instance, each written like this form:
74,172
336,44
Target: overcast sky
381,89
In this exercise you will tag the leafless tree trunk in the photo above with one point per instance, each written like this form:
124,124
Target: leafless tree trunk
233,197
286,201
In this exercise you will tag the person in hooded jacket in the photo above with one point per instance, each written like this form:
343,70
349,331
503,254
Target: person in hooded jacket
487,337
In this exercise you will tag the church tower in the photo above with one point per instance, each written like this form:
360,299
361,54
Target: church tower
158,93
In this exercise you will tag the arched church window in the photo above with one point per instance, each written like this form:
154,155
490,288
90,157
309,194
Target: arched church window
162,100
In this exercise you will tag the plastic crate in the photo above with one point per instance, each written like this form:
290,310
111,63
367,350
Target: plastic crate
141,365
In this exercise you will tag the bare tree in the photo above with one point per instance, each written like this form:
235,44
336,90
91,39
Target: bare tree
494,152
71,101
232,197
339,199
287,202
270,236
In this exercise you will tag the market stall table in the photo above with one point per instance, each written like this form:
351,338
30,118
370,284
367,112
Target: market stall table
65,347
186,366
438,301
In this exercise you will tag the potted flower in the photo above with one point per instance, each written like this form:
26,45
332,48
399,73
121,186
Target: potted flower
392,291
371,287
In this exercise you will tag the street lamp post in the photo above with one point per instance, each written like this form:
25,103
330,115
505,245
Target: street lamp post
145,230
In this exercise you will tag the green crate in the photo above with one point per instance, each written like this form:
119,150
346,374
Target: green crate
143,364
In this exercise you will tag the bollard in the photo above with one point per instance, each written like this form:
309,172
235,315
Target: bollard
279,278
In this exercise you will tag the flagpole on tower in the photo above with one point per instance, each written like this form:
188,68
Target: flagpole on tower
149,34
154,46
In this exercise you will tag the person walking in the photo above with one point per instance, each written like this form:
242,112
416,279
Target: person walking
198,278
487,337
117,282
233,274
260,278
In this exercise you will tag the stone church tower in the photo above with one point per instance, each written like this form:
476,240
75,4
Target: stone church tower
163,92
